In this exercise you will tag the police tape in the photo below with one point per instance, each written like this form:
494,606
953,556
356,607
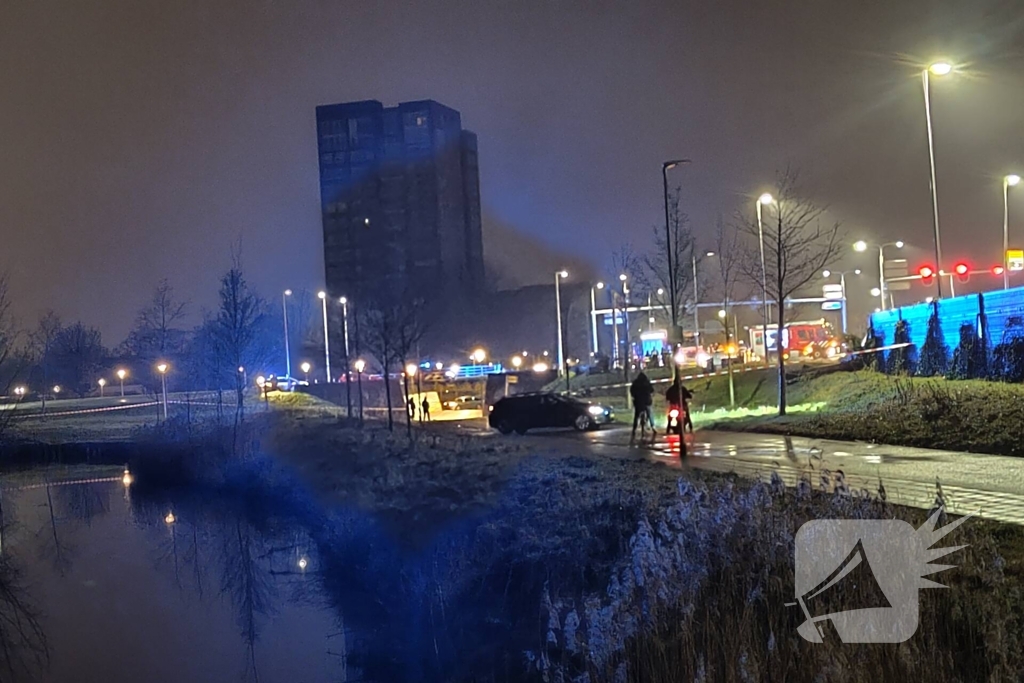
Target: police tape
86,411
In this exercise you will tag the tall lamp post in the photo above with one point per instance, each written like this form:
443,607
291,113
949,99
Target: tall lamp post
348,368
102,382
842,287
861,245
327,341
120,376
696,300
162,369
623,278
558,310
1009,181
665,168
937,69
360,366
764,200
593,313
287,352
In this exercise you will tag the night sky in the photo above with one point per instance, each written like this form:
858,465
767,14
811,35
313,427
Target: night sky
140,139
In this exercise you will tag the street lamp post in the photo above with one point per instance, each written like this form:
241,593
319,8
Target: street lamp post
360,366
764,200
665,167
696,300
1008,182
305,370
102,382
348,368
558,310
593,313
625,323
287,351
162,369
861,245
938,69
327,341
120,376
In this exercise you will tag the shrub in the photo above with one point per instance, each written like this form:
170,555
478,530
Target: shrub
899,360
934,352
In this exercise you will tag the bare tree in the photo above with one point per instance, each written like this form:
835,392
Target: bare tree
12,356
391,331
42,340
797,247
678,249
729,253
157,333
237,330
77,357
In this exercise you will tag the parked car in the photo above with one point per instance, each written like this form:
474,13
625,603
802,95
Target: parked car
285,383
523,412
466,402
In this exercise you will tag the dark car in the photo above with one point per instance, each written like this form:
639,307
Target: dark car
534,411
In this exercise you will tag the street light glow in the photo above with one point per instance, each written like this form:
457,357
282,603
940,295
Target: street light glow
261,381
540,367
722,313
898,244
305,367
860,245
360,365
941,68
856,271
766,199
1012,180
102,382
287,292
875,291
121,373
517,361
622,277
161,368
479,355
410,370
600,285
321,295
826,273
343,300
563,274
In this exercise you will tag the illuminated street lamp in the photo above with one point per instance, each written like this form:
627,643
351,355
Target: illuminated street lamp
360,366
264,386
19,391
517,362
861,246
593,312
305,370
162,369
559,276
121,374
937,69
348,371
479,356
1009,181
102,382
327,343
56,389
287,351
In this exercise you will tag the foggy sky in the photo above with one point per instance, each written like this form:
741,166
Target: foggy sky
140,139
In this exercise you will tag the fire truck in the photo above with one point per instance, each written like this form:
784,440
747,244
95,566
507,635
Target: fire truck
804,339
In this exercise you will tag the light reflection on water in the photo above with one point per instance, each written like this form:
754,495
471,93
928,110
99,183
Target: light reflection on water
127,589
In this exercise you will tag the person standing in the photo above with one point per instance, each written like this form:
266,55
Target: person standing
425,409
642,392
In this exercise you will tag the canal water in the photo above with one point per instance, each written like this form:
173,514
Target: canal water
99,582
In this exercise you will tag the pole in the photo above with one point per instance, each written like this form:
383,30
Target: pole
696,300
593,318
163,386
764,288
615,329
348,366
327,343
881,274
287,350
122,386
1006,232
625,325
672,291
728,355
558,311
359,385
842,286
935,197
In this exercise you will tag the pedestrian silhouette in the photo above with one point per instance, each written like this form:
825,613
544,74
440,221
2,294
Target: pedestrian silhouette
425,414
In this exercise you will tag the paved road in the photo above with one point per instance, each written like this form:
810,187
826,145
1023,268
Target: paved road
988,485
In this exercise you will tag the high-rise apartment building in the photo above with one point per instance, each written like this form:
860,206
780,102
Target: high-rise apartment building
400,200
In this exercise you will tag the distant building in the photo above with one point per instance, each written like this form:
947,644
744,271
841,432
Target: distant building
400,200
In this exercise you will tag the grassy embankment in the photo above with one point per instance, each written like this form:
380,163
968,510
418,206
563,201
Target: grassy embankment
621,570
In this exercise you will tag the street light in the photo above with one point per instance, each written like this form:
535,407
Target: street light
305,370
517,362
675,337
1009,181
937,69
120,376
593,312
287,351
696,300
327,343
348,372
102,382
162,369
360,366
842,287
478,356
558,310
861,246
764,200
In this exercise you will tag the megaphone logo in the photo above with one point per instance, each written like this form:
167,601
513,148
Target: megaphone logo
858,580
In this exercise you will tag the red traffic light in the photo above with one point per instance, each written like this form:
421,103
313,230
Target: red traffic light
926,272
998,270
962,269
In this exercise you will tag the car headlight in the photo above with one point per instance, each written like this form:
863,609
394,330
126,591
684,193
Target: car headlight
595,410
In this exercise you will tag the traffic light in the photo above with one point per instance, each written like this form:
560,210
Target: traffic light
998,270
927,274
963,272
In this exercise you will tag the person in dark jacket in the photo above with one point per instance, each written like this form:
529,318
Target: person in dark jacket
642,392
677,397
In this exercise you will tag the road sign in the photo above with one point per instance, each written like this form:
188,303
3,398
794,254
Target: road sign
832,292
1015,259
832,305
